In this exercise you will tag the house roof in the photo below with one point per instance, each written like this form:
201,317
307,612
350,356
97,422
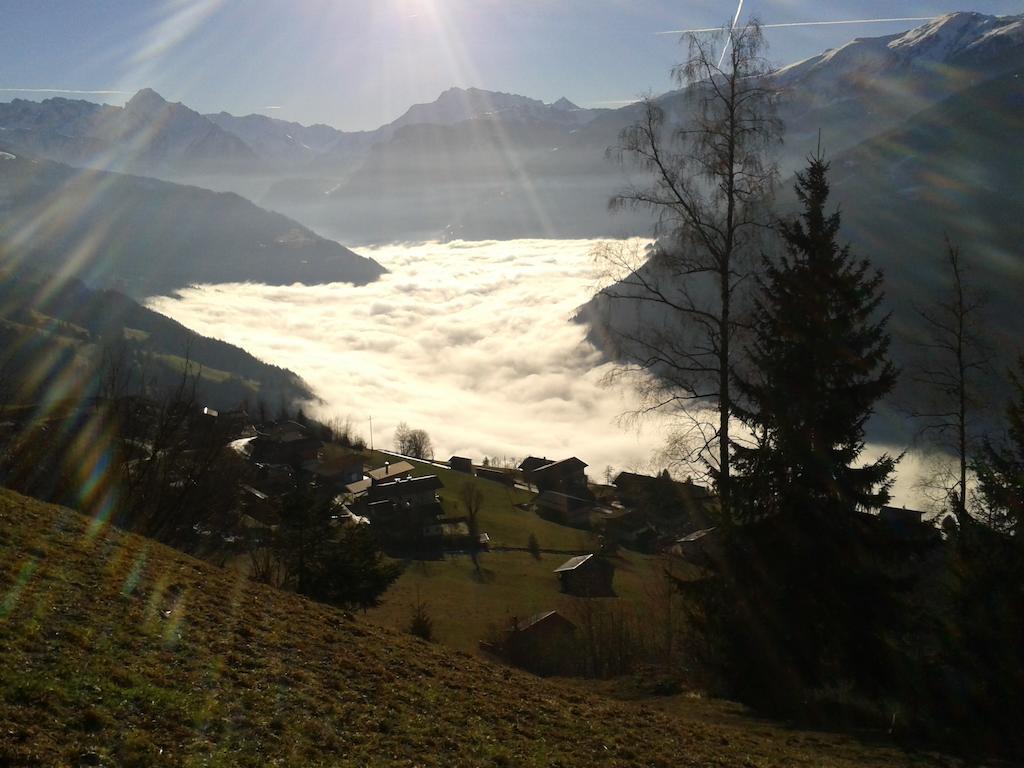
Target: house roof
337,465
569,465
630,477
902,514
360,486
530,463
697,535
396,489
286,432
391,470
539,618
572,563
695,492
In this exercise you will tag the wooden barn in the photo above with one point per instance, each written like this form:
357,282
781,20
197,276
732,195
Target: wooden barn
586,576
461,464
543,643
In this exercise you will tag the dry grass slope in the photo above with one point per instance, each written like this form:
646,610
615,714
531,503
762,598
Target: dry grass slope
117,651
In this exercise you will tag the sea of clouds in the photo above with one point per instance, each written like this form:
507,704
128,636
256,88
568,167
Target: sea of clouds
471,341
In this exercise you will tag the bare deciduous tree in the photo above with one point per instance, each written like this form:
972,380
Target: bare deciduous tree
955,363
712,179
472,502
413,442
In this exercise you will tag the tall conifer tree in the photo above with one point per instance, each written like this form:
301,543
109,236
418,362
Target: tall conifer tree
1000,468
817,366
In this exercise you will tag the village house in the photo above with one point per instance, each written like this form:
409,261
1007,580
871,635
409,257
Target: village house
667,504
628,526
565,476
336,469
543,644
907,524
530,464
286,442
400,509
391,471
407,492
564,509
359,488
586,576
461,464
702,548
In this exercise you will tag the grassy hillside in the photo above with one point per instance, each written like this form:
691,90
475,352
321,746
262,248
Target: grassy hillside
117,651
465,606
54,331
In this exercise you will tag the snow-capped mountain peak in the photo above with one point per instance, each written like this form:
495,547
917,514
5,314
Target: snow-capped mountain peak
960,38
954,33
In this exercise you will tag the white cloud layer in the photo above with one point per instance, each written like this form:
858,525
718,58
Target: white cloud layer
470,341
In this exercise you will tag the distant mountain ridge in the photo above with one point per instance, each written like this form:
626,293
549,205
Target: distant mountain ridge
482,164
460,104
148,136
145,237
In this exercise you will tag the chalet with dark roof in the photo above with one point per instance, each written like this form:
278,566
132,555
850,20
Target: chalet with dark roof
400,509
543,643
337,470
408,492
564,476
702,548
285,442
531,463
667,503
586,576
563,508
391,470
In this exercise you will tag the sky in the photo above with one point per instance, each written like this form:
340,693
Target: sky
357,64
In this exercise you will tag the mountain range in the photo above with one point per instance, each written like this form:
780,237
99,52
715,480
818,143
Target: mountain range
923,128
145,237
481,164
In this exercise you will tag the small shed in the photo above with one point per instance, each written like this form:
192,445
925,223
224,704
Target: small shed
703,548
586,576
461,464
543,643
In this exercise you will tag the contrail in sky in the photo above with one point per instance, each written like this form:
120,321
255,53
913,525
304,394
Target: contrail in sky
735,19
55,90
801,24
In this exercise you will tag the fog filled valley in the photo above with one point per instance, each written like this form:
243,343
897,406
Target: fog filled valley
517,429
471,341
